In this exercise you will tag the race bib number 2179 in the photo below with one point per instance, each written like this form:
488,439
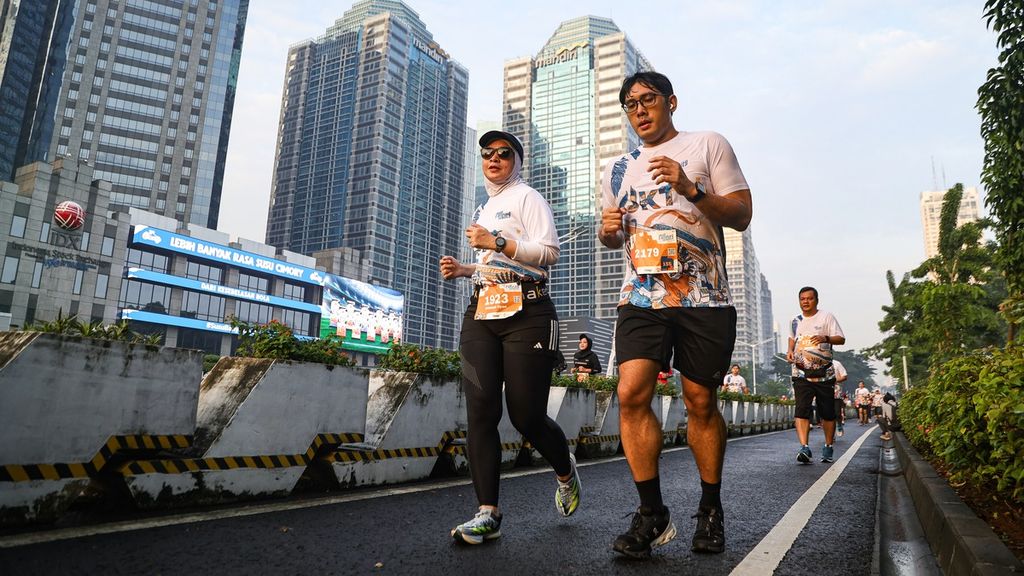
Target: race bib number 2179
654,252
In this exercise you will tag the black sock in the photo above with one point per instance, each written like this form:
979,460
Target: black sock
650,496
710,495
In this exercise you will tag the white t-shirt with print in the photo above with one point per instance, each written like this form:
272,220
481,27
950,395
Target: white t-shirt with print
626,183
808,356
734,383
840,374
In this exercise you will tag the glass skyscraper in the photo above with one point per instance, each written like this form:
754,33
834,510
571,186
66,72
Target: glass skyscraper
145,97
371,156
34,38
564,105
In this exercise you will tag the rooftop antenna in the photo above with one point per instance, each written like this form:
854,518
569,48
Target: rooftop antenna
935,180
944,177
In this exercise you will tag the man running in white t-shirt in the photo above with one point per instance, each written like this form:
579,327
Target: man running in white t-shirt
733,382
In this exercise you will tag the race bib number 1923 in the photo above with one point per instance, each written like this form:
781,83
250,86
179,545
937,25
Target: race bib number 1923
496,301
655,252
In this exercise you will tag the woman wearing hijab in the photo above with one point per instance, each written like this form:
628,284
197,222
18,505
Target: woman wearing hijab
585,361
509,333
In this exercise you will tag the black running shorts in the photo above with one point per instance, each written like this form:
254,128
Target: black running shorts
697,341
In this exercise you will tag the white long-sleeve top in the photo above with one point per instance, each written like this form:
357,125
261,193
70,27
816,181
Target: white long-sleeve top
519,213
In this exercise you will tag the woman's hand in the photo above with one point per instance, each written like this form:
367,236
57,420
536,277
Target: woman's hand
451,268
480,237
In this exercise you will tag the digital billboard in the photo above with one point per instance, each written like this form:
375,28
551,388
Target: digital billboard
367,318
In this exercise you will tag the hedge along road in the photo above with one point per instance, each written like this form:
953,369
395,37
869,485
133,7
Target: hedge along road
780,515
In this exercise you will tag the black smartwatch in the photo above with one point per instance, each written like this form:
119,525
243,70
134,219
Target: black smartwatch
701,193
499,244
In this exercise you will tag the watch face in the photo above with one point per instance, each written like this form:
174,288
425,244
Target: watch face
499,243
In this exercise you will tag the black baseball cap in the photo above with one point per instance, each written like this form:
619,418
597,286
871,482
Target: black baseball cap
493,135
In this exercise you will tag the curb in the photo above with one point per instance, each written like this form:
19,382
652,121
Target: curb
962,542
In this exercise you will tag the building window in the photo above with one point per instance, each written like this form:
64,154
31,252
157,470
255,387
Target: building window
37,274
44,232
294,292
253,282
208,342
147,260
137,295
297,321
101,285
204,272
18,226
10,272
202,306
107,248
77,287
253,312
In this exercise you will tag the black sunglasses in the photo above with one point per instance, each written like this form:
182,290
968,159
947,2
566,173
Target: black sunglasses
504,152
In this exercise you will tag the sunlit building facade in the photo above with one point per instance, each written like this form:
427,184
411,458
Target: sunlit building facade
372,156
145,97
563,104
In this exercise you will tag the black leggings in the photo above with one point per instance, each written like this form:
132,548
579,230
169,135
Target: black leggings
520,350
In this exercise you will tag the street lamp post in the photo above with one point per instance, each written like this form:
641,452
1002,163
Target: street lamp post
906,376
753,354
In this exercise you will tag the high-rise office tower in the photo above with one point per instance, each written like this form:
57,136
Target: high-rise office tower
751,297
34,38
145,97
931,212
371,156
564,106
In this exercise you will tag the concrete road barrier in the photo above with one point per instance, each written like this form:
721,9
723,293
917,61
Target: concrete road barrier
260,424
68,404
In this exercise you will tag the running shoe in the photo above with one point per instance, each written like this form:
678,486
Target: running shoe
826,454
804,455
567,495
645,532
483,526
839,430
710,534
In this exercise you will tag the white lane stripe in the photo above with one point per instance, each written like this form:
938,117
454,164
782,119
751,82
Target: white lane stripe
256,509
766,556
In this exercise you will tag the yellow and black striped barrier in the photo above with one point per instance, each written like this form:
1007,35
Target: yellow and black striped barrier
358,454
600,439
115,444
320,444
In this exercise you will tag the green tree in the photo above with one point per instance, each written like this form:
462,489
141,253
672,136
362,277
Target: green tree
950,306
1001,105
857,369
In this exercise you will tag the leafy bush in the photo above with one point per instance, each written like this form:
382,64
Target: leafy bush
208,361
433,362
276,341
72,326
603,383
594,382
970,415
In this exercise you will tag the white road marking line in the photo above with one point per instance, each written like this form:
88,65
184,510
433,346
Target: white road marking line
43,537
766,556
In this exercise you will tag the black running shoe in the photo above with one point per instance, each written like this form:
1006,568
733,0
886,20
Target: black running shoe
645,532
710,534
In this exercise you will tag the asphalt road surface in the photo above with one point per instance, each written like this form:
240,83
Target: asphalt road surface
781,517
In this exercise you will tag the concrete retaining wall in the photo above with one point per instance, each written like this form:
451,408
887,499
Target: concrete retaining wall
258,427
62,398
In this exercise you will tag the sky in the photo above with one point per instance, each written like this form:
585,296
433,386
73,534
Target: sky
840,112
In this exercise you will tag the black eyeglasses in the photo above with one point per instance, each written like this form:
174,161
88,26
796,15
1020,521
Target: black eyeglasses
504,152
647,100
